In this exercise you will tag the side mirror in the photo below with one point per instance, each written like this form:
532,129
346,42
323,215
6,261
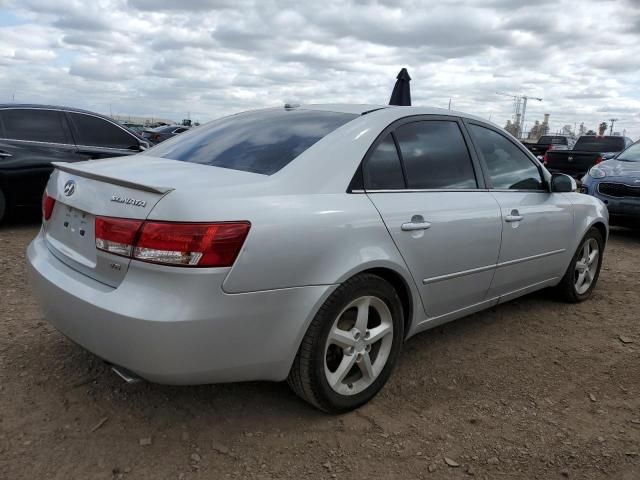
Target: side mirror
143,145
561,183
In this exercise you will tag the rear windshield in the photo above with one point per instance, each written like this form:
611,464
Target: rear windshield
600,144
553,140
261,141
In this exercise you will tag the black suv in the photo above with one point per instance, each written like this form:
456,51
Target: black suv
33,136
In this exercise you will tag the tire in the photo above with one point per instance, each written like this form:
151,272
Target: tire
364,363
569,288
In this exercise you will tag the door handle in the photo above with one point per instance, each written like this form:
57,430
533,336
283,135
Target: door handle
514,216
412,226
4,154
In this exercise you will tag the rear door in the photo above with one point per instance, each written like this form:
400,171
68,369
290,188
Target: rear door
32,138
427,187
98,138
537,226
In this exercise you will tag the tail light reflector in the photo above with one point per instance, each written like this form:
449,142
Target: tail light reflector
599,159
169,243
47,206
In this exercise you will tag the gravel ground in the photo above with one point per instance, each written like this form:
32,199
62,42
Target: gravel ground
531,389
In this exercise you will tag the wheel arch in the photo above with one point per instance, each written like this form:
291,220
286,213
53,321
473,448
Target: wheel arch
402,281
601,227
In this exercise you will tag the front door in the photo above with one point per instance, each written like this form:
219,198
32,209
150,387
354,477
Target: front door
537,226
422,180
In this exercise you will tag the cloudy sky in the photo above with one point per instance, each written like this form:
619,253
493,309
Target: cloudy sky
215,57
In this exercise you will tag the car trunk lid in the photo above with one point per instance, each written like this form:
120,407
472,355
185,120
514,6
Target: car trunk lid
82,196
129,188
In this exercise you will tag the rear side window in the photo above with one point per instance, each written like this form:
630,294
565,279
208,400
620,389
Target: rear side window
382,170
35,125
600,144
435,155
95,132
262,141
509,167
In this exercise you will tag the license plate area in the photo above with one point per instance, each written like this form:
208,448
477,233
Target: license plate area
72,233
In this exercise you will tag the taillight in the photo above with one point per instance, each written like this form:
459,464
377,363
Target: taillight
168,243
47,206
599,159
545,158
116,235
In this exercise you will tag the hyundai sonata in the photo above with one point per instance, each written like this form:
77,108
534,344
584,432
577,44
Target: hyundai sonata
304,243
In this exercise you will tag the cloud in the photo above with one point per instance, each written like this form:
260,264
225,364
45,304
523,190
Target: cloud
216,57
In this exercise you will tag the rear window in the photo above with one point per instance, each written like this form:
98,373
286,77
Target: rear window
600,144
553,140
262,141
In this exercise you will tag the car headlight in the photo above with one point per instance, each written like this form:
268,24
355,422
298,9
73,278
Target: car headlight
596,172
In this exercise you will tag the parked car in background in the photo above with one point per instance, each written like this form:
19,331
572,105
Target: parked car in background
304,243
617,183
162,133
134,127
550,142
588,151
34,136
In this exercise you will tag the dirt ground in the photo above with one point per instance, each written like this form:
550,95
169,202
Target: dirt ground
531,389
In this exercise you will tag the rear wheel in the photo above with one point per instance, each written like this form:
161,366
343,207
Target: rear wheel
582,275
351,345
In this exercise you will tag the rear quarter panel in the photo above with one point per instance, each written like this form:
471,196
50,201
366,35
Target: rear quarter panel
299,240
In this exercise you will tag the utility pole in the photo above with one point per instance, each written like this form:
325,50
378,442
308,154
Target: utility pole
519,108
613,121
449,103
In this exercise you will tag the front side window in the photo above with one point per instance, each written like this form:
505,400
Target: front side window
509,167
382,169
34,125
261,141
96,132
435,155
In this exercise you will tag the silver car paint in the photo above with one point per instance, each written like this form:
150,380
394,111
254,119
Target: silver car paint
308,234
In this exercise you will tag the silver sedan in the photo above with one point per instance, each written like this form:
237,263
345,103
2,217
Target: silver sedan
304,243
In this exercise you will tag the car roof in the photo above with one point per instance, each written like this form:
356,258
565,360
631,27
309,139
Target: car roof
37,106
388,110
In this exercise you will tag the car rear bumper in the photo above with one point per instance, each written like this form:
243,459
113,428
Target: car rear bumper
176,327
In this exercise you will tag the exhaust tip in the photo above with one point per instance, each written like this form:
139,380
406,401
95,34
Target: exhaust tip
127,375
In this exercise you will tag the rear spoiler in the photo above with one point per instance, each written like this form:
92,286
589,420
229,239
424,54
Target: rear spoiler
76,170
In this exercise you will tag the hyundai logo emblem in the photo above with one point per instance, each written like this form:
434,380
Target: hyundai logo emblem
69,188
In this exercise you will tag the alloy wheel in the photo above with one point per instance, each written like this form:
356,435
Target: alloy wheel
586,266
358,345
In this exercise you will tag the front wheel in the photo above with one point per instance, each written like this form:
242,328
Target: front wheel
351,345
582,275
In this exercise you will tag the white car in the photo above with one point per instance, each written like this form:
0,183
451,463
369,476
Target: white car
304,243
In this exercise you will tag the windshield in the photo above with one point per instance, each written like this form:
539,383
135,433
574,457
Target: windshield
553,140
600,144
631,154
261,141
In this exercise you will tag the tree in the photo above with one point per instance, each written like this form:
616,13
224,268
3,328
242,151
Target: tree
590,132
602,128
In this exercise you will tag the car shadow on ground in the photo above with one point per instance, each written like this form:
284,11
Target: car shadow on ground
22,218
622,233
